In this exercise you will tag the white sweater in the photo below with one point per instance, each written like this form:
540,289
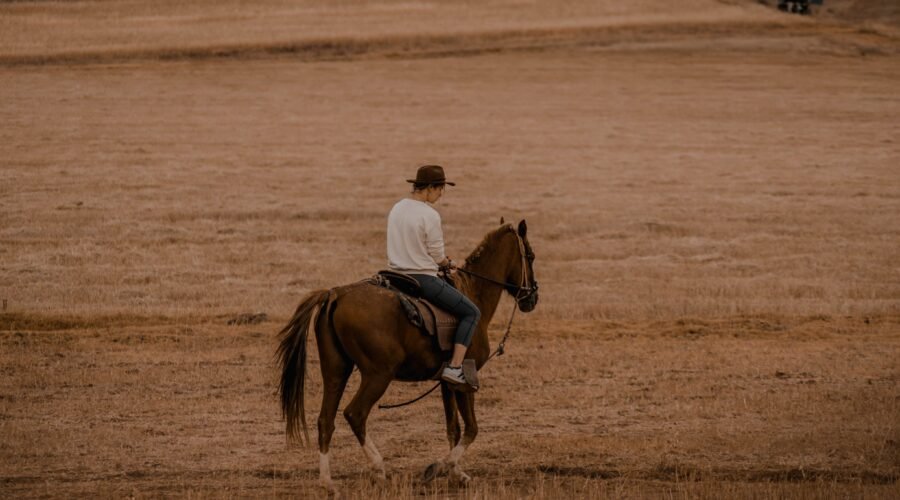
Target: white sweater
415,241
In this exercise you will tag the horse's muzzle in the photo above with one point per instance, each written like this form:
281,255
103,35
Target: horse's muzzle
529,302
528,305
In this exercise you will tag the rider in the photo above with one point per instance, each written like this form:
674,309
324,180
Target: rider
415,246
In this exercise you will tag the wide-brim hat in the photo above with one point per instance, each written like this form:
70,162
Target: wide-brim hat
430,175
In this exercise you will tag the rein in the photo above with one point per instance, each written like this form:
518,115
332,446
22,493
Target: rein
501,347
519,288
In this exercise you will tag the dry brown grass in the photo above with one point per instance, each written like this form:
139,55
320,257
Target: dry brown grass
640,410
715,221
658,187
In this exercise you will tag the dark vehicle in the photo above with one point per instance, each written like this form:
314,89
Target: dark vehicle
797,6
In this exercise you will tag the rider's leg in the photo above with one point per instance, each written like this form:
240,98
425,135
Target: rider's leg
436,291
459,353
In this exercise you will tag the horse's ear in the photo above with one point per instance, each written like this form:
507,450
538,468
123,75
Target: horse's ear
502,221
523,228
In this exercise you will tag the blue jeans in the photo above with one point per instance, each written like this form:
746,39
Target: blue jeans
439,293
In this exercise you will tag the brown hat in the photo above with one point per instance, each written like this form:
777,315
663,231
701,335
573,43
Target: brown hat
430,175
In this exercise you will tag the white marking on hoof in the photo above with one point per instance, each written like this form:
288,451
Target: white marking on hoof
376,458
325,473
456,454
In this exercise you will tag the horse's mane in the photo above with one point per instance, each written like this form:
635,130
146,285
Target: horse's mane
489,240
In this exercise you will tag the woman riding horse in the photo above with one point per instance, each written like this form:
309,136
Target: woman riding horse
415,246
363,325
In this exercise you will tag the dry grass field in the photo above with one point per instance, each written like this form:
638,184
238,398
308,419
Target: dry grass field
712,190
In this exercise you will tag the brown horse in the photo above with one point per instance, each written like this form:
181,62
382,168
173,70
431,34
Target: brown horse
365,326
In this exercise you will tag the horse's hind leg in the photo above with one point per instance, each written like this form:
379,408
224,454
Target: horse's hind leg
336,369
371,388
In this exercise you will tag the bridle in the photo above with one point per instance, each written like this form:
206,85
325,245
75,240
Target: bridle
520,292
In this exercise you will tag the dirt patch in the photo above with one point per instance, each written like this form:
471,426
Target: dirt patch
44,322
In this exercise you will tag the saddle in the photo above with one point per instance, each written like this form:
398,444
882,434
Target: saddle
429,318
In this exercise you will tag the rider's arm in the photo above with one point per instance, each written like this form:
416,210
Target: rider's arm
434,238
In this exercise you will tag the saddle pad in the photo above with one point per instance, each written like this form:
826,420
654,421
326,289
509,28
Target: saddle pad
438,322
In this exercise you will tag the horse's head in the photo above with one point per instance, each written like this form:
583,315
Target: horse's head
522,284
506,250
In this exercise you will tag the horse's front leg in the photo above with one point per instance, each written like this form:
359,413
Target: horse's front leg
451,415
466,403
453,432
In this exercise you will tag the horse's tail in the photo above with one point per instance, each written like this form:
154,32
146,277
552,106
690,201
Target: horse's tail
292,354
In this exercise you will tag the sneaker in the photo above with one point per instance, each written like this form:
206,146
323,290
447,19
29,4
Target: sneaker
453,375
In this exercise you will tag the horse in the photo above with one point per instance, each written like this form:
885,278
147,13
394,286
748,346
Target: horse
362,325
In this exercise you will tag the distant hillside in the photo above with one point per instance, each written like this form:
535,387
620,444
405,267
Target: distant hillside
85,31
885,12
38,32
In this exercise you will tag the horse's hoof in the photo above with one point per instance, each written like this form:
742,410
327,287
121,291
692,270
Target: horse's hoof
431,472
461,476
331,489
